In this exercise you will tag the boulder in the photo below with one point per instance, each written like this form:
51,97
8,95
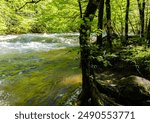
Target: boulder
134,89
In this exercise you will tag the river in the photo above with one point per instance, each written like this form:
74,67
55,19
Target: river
28,60
37,42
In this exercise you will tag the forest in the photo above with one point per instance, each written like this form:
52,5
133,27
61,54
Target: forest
75,52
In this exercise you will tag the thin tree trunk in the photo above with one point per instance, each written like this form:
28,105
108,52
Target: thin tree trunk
126,21
148,34
108,16
80,8
141,7
143,19
133,30
100,22
146,15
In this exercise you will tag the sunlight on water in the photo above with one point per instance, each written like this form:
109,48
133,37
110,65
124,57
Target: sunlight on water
2,38
1,81
8,47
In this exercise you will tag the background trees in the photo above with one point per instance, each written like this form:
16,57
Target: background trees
127,20
91,89
64,16
100,22
141,6
39,17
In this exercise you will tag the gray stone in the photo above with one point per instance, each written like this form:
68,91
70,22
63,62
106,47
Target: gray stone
134,89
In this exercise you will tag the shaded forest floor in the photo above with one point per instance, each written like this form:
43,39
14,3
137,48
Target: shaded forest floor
114,73
128,61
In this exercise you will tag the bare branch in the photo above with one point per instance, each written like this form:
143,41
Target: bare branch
33,1
80,7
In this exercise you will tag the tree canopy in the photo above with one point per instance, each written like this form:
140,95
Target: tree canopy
40,16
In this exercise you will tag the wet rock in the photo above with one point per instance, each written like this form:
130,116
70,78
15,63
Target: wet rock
72,100
131,90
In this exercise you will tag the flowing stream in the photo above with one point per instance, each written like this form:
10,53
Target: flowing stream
37,42
13,45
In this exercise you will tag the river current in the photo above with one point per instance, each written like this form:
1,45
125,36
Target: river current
37,42
18,60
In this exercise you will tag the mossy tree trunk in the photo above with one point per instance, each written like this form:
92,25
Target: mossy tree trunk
87,72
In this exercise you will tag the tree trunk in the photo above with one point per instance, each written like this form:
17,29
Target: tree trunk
80,8
142,16
126,21
108,16
85,30
148,34
100,22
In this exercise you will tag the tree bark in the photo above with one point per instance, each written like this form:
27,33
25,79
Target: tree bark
127,20
148,34
85,30
141,7
100,22
80,8
108,16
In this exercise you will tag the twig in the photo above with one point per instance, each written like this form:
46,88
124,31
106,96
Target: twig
33,1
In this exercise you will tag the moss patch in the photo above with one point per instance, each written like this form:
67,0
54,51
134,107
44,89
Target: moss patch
32,78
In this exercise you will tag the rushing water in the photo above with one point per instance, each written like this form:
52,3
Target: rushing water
37,42
28,43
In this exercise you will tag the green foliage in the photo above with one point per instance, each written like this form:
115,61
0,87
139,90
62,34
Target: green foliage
12,21
46,16
139,56
105,57
99,31
62,16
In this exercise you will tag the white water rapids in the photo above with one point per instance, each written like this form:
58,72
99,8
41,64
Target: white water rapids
37,42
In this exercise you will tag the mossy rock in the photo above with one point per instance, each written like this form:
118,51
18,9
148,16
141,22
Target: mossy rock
134,89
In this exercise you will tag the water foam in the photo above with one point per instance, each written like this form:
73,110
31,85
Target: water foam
36,42
8,37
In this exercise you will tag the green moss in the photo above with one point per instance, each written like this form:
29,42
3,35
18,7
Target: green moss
30,78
